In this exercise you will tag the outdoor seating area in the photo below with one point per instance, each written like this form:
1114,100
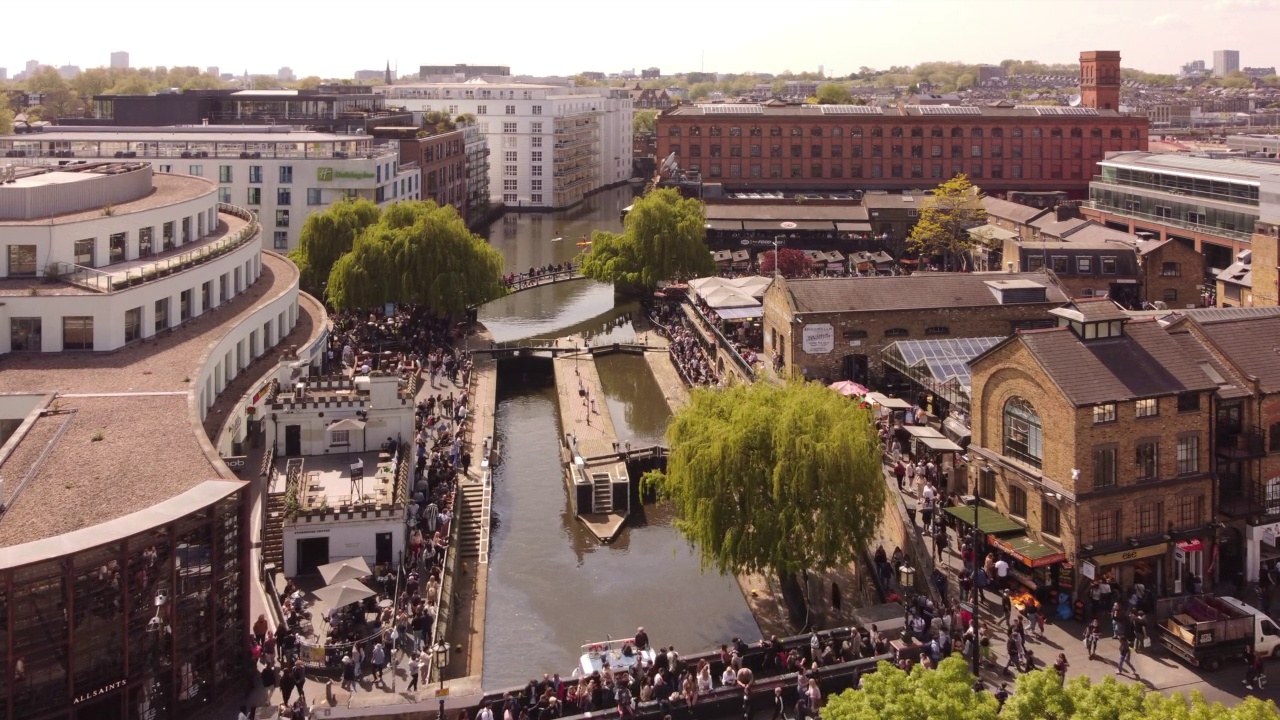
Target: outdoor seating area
338,481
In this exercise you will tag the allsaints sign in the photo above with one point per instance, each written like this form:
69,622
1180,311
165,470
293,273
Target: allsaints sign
99,692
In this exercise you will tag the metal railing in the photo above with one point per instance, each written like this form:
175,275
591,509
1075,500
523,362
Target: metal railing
105,281
725,344
1170,221
1180,190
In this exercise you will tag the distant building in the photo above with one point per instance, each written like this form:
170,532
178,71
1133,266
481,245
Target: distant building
990,73
595,76
1225,62
1195,67
1259,72
33,66
1100,79
368,75
285,74
441,160
799,88
466,71
69,71
4,73
120,60
212,70
652,73
649,99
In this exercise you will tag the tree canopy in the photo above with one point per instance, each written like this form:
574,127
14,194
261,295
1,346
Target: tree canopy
947,693
327,236
833,94
774,477
792,263
417,252
644,122
945,218
663,238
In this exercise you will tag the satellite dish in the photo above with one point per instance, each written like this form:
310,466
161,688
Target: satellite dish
1075,100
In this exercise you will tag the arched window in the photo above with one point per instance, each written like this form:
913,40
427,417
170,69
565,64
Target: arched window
935,131
1022,435
696,131
815,131
896,332
1076,132
917,132
937,330
674,131
1116,133
1096,133
716,130
976,132
877,131
896,132
957,132
796,131
997,132
1273,495
775,131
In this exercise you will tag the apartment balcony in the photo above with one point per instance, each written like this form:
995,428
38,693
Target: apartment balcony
1169,221
1243,444
1221,194
1248,495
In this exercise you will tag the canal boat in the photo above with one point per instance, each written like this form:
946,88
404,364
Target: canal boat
621,655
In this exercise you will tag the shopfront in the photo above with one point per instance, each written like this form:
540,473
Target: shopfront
1188,563
1260,546
1136,566
1037,567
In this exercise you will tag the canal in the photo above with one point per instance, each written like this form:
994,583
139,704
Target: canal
551,586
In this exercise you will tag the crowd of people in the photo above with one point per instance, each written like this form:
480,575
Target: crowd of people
687,353
535,275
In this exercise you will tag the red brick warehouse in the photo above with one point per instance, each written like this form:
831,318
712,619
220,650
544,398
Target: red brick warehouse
1000,146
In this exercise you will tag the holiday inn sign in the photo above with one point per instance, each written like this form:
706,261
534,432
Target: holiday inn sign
325,174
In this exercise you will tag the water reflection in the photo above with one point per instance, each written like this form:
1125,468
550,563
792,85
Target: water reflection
552,588
634,399
526,240
566,308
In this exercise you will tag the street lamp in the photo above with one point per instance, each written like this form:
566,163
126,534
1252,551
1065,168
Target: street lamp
441,652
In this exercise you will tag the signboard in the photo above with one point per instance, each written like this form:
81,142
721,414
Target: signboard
100,691
1179,555
236,462
325,174
1089,570
261,391
818,339
1128,555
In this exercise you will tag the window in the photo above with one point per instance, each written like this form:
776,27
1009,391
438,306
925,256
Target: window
280,240
536,156
535,141
1188,454
736,131
224,195
510,185
1191,511
286,173
937,330
313,196
1106,526
510,170
1148,407
1150,518
1108,266
896,332
224,173
535,128
1104,413
511,127
1189,402
535,198
25,335
255,173
862,334
1022,432
511,110
162,314
284,196
815,151
1148,459
1017,502
77,333
255,196
509,198
196,170
1050,518
146,248
536,171
535,185
1171,269
22,260
987,485
1084,265
1275,437
1104,467
537,109
282,218
1035,262
482,109
341,437
133,324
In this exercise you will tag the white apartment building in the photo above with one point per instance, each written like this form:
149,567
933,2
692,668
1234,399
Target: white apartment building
550,145
283,175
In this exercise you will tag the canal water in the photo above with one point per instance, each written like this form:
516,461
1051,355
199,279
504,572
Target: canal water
551,586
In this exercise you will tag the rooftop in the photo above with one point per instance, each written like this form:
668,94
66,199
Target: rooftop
863,113
184,133
1238,171
1247,339
921,291
784,211
890,201
1146,361
136,402
1016,212
326,479
166,189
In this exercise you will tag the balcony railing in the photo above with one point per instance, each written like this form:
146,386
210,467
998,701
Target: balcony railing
1184,192
1170,221
105,281
1249,442
176,151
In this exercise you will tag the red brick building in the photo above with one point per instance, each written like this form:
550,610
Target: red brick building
443,163
1001,146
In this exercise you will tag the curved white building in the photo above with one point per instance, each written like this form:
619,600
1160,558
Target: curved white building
100,255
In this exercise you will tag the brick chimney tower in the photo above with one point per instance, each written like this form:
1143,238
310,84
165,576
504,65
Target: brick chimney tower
1100,79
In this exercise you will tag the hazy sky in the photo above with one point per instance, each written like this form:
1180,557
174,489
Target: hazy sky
334,39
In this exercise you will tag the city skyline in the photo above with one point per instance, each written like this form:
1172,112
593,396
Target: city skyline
564,37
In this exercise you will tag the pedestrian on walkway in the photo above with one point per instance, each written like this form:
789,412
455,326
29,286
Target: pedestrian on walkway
1061,666
286,685
1006,607
1091,637
940,543
1125,657
413,673
300,677
348,674
1014,648
899,472
379,659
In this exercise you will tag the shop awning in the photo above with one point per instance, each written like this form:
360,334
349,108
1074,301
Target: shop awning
1027,551
740,313
853,227
725,225
1191,545
885,401
989,521
921,431
941,444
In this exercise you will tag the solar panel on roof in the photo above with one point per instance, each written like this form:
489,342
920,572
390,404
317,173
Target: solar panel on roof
1059,110
851,109
945,109
734,109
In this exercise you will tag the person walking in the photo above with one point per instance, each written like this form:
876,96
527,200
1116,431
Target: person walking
1091,637
1061,666
1252,667
413,674
1125,657
379,659
286,685
300,678
1014,648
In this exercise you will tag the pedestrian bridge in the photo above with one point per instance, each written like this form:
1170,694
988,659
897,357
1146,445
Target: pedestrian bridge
550,349
528,283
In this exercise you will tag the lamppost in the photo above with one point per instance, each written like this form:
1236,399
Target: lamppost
441,652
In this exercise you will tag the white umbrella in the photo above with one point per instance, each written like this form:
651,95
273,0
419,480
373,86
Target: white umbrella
344,593
349,569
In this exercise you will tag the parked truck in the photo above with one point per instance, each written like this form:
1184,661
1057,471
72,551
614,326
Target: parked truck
1204,630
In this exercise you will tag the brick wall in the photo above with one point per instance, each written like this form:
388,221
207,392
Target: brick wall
1266,258
1184,285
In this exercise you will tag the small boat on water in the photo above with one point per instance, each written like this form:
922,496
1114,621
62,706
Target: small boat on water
620,654
556,239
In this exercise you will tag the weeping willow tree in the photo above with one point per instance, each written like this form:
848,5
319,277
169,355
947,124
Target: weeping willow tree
327,236
421,253
664,238
774,478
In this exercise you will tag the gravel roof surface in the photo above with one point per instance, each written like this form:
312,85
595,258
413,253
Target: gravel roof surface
18,462
147,366
147,454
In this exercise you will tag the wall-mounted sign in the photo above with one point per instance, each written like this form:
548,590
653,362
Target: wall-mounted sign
100,691
1125,556
325,174
818,339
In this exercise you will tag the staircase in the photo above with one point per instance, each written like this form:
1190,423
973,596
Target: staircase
273,541
470,513
601,493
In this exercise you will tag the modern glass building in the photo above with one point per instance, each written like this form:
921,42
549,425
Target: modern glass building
142,617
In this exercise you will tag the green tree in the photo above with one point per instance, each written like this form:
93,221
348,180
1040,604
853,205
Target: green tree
94,81
45,80
664,238
1040,695
136,84
945,693
834,94
644,122
6,119
438,121
310,82
417,252
327,236
945,217
774,477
